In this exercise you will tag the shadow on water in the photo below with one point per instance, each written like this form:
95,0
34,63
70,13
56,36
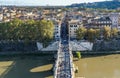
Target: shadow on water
22,66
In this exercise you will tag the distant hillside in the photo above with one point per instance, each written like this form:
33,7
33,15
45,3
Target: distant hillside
105,4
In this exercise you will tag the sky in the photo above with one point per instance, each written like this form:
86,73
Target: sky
44,2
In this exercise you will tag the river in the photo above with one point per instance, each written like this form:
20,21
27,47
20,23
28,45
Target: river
107,66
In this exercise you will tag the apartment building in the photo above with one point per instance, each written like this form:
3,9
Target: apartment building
57,28
73,26
115,19
1,17
100,22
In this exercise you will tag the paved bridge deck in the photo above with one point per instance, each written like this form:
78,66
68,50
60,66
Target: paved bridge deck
64,66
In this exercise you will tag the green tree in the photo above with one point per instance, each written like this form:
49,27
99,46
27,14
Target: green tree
78,54
14,29
91,33
114,32
46,31
97,33
106,32
80,33
29,30
4,31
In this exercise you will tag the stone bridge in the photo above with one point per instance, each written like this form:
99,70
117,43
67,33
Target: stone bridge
64,63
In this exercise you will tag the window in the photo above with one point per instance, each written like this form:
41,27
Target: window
75,25
71,25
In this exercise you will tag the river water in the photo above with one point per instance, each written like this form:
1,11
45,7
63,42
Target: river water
107,66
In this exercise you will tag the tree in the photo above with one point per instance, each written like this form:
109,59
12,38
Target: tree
78,54
14,29
106,32
97,33
114,32
46,31
80,33
91,33
29,30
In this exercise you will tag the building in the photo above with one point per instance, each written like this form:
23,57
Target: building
115,19
119,24
73,26
100,22
57,28
1,17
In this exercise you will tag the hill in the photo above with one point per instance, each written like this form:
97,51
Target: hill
104,4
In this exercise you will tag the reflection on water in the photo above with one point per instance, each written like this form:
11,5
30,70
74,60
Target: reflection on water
99,67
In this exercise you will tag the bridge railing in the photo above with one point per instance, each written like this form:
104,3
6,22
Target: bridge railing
56,67
71,61
57,61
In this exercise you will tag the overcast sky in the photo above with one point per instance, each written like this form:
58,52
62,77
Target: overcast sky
44,2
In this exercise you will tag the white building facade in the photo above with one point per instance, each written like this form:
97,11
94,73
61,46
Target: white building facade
1,17
115,19
57,30
73,26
